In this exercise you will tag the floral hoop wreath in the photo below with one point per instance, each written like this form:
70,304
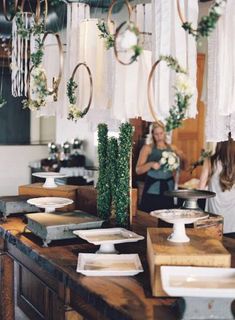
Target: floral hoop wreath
135,46
76,113
183,94
56,80
4,6
38,9
207,24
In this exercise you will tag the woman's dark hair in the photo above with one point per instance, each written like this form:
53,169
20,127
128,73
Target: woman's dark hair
225,154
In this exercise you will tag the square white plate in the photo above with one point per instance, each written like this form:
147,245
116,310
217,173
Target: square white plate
105,236
198,281
91,264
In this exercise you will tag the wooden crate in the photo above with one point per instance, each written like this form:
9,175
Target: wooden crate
65,191
202,250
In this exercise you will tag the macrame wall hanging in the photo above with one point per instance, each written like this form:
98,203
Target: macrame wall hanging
22,36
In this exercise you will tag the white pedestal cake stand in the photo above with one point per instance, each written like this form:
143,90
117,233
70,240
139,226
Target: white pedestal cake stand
50,203
179,217
50,178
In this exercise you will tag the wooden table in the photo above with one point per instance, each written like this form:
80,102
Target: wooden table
59,289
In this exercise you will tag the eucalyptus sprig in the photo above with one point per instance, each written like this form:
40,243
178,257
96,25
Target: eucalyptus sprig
105,34
207,23
183,92
71,87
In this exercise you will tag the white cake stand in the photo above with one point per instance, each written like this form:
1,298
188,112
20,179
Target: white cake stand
107,238
50,178
50,203
179,217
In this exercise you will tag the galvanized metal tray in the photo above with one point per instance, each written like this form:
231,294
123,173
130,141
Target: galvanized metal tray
60,225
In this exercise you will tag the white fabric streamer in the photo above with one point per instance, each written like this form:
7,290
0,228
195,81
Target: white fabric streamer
169,38
220,118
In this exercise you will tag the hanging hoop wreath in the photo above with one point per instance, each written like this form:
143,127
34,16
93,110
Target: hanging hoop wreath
109,18
56,80
183,92
131,40
207,23
38,10
75,112
11,16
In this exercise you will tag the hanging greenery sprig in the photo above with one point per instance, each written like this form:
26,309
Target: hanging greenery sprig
105,34
207,23
122,198
103,185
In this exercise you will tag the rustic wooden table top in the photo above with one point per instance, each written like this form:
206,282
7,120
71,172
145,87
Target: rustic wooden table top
116,297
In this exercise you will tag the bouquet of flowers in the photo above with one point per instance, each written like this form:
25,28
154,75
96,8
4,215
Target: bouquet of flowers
169,161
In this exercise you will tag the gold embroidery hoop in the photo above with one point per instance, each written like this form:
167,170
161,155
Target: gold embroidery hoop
150,103
56,80
182,18
115,47
110,23
38,9
4,6
80,64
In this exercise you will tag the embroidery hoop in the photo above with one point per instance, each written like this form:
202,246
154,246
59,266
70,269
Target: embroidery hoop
110,23
115,40
56,80
38,9
86,109
5,10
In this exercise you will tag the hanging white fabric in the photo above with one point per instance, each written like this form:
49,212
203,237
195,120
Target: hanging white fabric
169,38
20,57
220,118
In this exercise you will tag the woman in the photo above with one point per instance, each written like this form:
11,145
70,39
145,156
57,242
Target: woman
218,172
158,179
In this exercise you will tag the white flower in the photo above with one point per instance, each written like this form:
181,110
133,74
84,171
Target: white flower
165,154
162,160
184,85
175,166
128,40
171,160
218,10
221,3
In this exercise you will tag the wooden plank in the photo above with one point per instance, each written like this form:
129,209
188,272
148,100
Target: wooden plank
7,311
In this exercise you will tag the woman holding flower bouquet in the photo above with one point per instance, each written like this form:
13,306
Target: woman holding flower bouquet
158,160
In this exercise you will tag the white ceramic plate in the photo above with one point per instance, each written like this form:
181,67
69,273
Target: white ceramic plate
106,236
109,264
50,203
179,215
198,281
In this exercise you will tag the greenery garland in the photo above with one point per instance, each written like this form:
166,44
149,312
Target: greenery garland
103,184
112,169
183,92
122,197
207,23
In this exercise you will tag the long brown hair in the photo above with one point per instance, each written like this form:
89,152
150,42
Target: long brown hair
225,154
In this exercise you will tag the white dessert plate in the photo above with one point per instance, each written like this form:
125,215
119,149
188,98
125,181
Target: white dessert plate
109,264
50,178
198,281
106,238
50,203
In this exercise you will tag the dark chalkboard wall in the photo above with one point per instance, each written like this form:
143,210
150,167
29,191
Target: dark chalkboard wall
14,120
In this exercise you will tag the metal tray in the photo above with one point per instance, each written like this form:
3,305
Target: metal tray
60,225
